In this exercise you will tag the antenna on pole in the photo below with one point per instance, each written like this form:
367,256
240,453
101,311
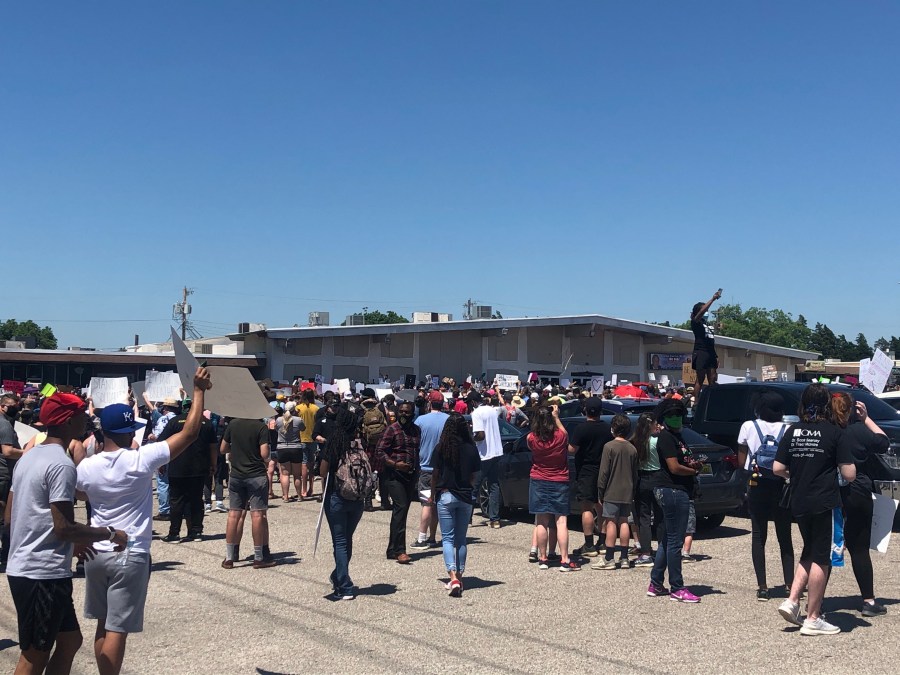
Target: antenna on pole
181,311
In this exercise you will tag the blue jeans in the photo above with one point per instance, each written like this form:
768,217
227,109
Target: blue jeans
162,491
675,506
454,515
343,516
490,474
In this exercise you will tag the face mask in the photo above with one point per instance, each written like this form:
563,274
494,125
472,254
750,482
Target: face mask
403,419
11,411
673,422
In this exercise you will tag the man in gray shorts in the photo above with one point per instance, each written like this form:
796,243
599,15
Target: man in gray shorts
117,481
247,443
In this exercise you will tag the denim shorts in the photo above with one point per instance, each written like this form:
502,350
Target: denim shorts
547,496
248,493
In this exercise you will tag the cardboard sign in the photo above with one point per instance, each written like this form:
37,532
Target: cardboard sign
234,393
24,433
185,363
160,386
688,374
597,385
14,386
507,382
108,390
137,391
883,512
769,373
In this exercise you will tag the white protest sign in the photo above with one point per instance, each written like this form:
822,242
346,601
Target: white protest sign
507,382
343,385
597,385
878,372
185,363
359,387
664,380
614,380
381,393
160,386
330,387
653,377
234,393
883,512
139,434
108,390
565,382
24,433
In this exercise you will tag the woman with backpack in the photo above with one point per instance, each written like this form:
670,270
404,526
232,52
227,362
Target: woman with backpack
758,442
455,463
343,513
864,438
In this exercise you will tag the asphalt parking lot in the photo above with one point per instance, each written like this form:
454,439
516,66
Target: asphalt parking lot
512,618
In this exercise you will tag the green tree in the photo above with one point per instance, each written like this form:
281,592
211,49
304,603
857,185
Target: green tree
375,317
19,330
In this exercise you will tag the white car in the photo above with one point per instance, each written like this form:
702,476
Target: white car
892,398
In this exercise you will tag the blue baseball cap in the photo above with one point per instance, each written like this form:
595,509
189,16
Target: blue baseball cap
118,418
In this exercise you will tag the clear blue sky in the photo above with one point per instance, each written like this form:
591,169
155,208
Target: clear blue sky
545,158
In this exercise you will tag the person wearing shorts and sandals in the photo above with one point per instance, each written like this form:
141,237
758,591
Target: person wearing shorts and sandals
810,455
247,443
587,441
616,484
704,359
117,481
40,512
548,489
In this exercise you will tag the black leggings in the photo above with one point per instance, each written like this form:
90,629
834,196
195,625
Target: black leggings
645,504
857,535
763,502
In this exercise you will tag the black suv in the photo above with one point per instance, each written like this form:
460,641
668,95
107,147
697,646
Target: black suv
723,408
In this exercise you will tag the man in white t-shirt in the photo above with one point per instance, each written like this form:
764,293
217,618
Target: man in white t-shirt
117,482
486,427
40,511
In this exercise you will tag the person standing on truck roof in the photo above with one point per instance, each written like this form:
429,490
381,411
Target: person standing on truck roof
704,359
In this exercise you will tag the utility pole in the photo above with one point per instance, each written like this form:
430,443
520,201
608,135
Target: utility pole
180,312
469,306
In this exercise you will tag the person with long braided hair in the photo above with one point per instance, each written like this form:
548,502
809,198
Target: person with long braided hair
455,463
343,515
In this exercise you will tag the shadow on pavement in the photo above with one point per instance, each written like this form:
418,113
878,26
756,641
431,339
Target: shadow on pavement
847,622
213,537
702,591
165,566
377,589
286,557
471,583
852,603
6,643
721,532
263,671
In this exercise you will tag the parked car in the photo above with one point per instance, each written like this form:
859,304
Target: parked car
611,406
721,485
892,398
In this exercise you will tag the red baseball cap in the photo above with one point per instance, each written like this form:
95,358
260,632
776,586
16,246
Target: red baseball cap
436,397
60,408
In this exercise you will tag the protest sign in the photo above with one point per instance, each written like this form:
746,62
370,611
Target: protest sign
234,393
309,385
652,377
185,363
877,372
883,512
381,393
24,433
436,382
614,380
160,386
48,390
769,373
688,374
330,387
359,387
407,395
105,391
343,385
507,382
664,380
597,385
139,434
565,382
137,391
14,386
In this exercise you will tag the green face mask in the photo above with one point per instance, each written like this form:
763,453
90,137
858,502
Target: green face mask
675,422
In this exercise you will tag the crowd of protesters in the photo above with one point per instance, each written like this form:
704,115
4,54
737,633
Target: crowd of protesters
437,445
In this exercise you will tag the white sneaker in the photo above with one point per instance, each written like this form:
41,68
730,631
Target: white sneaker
790,611
207,508
818,627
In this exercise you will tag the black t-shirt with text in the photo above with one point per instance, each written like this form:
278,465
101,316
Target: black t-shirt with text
590,437
671,444
704,337
812,451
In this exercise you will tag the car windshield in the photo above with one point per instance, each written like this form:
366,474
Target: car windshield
878,410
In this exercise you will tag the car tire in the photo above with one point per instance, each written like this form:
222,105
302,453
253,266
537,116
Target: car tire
710,522
481,502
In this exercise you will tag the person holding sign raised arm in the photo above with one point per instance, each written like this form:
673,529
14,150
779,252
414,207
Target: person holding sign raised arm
704,360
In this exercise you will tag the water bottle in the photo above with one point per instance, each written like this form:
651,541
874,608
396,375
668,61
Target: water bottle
122,557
